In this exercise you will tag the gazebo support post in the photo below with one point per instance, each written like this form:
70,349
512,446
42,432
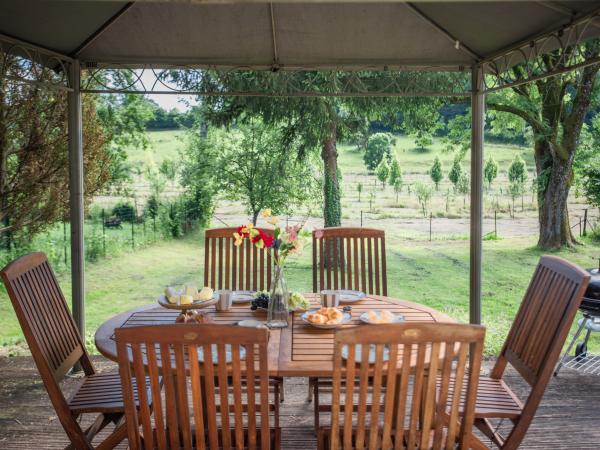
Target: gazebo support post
476,231
76,205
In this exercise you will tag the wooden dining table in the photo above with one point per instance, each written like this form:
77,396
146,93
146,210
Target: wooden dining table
300,350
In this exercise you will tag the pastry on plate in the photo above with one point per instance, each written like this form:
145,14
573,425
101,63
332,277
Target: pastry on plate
386,316
317,318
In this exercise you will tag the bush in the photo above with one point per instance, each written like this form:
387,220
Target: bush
378,146
124,211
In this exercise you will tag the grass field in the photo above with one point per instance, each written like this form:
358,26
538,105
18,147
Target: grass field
433,273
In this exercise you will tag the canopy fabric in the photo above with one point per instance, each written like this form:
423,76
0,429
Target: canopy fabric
290,35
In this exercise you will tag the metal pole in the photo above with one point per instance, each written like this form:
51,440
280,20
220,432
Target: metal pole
476,232
430,219
76,199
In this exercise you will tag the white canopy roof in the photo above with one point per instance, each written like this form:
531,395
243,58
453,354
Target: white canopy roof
440,35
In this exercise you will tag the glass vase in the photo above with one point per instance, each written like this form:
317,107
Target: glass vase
278,314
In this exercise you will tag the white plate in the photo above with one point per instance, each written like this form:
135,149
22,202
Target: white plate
251,323
397,318
215,355
346,320
358,353
347,296
242,296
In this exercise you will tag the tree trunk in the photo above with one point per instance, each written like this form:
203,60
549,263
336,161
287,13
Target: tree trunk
555,230
255,217
332,207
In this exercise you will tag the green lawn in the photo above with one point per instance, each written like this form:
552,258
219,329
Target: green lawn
434,274
162,145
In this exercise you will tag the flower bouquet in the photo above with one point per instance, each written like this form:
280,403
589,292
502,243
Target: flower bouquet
284,241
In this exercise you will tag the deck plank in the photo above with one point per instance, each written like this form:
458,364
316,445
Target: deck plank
566,419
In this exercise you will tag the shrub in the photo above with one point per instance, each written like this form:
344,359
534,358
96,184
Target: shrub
124,211
379,145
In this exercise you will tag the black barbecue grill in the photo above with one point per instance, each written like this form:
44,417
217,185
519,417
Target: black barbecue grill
590,309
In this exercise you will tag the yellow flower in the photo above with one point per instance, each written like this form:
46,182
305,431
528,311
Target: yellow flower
273,220
238,239
259,244
247,229
266,213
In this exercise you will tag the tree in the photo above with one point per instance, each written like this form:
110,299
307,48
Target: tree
423,193
395,172
199,165
254,169
383,171
397,185
555,109
490,171
436,172
591,183
359,188
34,168
379,147
462,187
423,139
517,175
317,122
455,172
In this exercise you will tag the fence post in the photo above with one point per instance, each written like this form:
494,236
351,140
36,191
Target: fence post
133,231
585,219
103,232
361,219
430,219
495,224
580,226
65,243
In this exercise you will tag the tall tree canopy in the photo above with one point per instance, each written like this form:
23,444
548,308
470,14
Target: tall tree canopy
554,108
34,169
315,122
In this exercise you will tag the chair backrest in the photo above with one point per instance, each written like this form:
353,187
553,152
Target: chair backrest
545,316
349,258
195,363
236,268
429,405
49,328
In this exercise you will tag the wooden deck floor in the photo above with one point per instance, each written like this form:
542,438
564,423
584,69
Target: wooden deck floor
569,417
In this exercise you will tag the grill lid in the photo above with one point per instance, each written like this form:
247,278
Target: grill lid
593,290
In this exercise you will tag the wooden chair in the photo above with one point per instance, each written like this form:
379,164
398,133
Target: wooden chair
56,346
349,258
236,268
382,403
215,402
532,348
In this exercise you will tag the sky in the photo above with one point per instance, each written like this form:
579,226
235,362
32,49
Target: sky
167,101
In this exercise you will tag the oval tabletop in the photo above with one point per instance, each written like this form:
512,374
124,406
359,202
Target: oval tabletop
298,350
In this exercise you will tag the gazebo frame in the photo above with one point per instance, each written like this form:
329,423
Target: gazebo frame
486,75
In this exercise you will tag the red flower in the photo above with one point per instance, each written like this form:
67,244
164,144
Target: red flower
268,239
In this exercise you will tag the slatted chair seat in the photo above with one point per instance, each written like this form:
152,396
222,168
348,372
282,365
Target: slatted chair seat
99,393
56,346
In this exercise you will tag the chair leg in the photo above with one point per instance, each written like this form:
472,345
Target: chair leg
321,445
315,389
118,435
311,386
488,430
